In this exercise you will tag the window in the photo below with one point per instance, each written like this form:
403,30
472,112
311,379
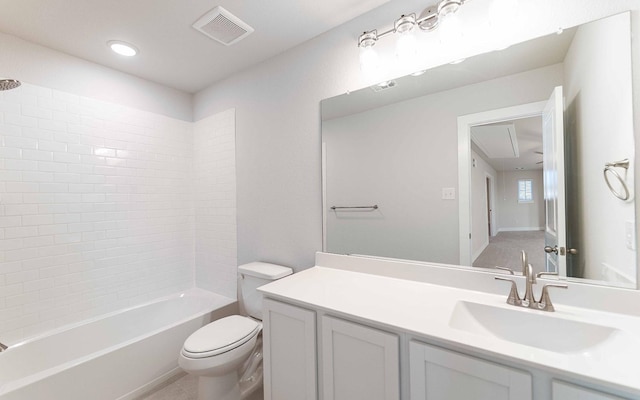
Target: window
525,191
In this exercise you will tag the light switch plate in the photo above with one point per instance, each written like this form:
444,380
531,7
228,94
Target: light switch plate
630,234
448,193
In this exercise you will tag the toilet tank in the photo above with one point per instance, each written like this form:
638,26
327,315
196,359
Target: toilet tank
254,275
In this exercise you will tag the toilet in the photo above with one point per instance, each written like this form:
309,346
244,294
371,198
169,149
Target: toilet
226,354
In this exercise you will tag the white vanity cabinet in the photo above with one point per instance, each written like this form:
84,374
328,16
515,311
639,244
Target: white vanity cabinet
358,362
314,355
289,337
438,374
566,391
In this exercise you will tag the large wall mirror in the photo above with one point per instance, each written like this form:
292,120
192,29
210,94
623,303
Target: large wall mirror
528,148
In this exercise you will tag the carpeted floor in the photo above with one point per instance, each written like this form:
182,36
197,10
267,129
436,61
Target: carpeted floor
505,248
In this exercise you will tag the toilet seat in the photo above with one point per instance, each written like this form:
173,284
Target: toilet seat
220,336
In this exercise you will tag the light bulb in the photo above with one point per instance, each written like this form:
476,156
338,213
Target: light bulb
369,60
407,48
123,48
450,29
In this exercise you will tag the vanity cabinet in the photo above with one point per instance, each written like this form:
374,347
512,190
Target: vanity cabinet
566,391
315,355
358,362
438,374
289,337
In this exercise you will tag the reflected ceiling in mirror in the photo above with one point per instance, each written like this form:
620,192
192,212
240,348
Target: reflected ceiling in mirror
397,147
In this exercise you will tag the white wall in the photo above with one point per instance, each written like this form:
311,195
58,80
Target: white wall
38,65
278,114
514,216
605,126
95,208
378,157
479,215
215,203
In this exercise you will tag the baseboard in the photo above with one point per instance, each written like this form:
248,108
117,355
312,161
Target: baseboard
521,229
478,252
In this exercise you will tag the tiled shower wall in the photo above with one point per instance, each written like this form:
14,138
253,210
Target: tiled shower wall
215,203
96,209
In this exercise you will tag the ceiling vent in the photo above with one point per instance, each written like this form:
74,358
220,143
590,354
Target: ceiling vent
219,24
496,140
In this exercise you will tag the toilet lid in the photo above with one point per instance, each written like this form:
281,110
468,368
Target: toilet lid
221,336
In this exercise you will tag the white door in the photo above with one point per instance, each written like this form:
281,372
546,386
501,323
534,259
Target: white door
289,347
358,362
439,374
553,175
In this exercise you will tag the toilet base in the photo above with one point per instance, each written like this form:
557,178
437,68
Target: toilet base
223,387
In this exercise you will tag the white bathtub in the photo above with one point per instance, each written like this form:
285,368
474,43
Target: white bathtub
117,356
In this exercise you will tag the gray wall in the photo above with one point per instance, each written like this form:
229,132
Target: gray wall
514,216
278,116
401,156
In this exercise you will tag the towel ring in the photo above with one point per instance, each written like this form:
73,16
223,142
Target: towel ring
608,167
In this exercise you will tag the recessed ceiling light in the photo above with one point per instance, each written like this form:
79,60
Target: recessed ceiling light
123,48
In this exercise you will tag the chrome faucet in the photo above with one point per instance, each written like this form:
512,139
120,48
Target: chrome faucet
529,301
3,347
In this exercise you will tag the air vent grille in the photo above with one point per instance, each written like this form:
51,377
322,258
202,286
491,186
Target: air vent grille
222,26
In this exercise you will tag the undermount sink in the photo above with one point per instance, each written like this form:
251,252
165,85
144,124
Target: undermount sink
529,327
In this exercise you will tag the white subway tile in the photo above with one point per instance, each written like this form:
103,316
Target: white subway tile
20,120
33,176
51,166
68,238
21,276
20,209
48,145
37,112
66,157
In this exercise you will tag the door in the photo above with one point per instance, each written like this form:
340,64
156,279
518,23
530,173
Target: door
358,362
489,205
439,374
289,347
553,177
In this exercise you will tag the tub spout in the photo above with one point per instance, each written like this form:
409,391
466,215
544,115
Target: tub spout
3,347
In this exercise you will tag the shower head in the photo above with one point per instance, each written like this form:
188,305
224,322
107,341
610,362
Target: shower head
8,84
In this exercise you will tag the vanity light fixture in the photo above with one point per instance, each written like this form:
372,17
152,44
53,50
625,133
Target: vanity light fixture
404,26
122,48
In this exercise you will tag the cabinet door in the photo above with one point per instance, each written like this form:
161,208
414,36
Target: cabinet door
290,367
438,374
566,391
358,362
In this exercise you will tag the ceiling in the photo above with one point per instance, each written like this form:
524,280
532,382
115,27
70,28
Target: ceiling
528,132
173,53
532,54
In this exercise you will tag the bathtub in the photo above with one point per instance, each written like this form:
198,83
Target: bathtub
117,356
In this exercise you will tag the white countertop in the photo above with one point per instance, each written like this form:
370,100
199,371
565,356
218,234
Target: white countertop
425,310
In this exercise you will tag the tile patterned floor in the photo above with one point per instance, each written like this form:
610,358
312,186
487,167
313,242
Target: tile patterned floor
180,387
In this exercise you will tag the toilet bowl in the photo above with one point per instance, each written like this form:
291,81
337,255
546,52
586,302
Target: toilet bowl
226,354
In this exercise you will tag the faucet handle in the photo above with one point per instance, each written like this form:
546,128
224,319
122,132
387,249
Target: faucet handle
509,270
514,297
545,301
544,273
